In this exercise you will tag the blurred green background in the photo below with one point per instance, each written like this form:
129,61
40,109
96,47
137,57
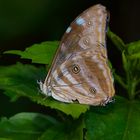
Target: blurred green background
26,22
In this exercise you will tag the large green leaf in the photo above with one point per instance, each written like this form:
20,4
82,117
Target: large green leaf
68,131
21,80
120,121
5,139
25,126
35,126
39,53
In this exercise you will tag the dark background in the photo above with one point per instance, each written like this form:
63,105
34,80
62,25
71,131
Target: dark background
26,22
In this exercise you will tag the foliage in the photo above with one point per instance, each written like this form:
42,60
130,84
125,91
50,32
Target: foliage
38,52
119,120
131,65
17,84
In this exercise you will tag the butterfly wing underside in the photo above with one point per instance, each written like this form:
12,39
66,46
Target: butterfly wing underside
80,71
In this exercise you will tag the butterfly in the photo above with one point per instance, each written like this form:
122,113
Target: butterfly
80,71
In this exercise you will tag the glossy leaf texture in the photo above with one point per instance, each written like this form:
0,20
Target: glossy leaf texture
118,121
29,126
21,80
35,126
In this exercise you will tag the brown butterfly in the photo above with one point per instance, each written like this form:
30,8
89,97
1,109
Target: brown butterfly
80,70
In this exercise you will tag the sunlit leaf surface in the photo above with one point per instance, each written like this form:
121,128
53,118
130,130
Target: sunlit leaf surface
39,53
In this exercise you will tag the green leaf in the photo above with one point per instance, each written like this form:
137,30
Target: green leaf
114,122
5,139
133,50
35,126
117,41
75,110
25,126
120,80
135,56
39,53
133,47
68,131
125,62
21,80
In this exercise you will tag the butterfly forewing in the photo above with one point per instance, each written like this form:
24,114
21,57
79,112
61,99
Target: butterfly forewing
79,71
85,31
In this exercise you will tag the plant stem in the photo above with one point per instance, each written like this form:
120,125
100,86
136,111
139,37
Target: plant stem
131,86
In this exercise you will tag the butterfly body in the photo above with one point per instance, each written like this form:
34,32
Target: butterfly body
80,69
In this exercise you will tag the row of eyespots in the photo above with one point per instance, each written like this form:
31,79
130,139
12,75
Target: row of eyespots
76,70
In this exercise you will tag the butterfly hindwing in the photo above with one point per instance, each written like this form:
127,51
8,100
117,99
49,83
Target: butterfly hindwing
83,78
